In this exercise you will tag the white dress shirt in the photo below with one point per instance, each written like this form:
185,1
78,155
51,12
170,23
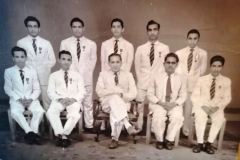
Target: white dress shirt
43,60
143,68
125,49
57,87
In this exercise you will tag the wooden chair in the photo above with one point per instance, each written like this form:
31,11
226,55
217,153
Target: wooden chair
101,117
220,134
148,130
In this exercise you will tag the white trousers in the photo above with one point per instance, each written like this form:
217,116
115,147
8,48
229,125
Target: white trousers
141,97
44,96
88,107
117,108
17,110
159,121
201,119
73,115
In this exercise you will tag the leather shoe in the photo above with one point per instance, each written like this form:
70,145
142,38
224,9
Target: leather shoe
168,145
131,130
198,148
209,148
29,138
37,139
113,144
66,142
58,141
159,145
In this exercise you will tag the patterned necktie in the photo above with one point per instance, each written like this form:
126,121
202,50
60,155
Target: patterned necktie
66,78
116,78
168,89
151,54
212,88
78,49
190,59
116,46
34,45
21,75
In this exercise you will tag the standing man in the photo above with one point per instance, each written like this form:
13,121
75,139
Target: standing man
40,55
149,59
192,65
84,57
118,45
66,90
166,94
116,88
211,95
22,86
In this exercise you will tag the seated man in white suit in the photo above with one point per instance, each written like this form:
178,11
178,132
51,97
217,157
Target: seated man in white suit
66,90
22,86
210,97
116,88
166,94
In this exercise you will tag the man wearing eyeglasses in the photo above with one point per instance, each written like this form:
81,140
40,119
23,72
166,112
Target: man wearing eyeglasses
166,95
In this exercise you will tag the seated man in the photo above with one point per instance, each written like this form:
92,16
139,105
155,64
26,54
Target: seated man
166,94
66,90
22,86
116,88
210,96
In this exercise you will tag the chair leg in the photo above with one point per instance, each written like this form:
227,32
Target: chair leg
177,138
148,131
12,126
221,135
80,124
191,131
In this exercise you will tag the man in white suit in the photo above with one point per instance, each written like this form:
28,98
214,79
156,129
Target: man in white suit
149,59
40,55
66,90
116,88
117,44
84,57
166,94
192,65
22,86
210,96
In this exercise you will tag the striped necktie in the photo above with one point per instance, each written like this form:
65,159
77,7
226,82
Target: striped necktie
21,75
78,49
151,57
168,89
116,46
34,46
190,59
212,88
116,78
66,78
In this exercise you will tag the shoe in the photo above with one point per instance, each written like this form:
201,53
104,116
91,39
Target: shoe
113,144
66,143
198,148
58,141
90,130
159,145
29,138
168,145
37,139
209,148
131,130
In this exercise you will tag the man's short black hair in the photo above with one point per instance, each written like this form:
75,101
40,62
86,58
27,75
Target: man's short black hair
151,22
64,52
113,55
117,20
17,49
171,54
76,19
193,31
31,18
217,58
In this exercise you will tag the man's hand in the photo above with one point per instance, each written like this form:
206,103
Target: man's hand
213,109
28,102
63,101
71,101
206,110
170,105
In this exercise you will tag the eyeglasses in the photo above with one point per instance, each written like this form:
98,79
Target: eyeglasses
171,62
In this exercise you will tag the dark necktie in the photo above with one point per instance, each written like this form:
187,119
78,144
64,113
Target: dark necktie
151,54
168,89
212,88
34,45
78,49
190,59
66,78
21,75
116,46
116,78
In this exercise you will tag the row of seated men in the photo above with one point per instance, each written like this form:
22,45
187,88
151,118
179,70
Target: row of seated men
116,88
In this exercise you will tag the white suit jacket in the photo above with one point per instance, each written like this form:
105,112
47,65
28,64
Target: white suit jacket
43,61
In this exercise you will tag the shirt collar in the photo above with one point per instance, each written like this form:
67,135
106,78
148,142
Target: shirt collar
30,37
155,43
119,39
20,68
194,49
80,39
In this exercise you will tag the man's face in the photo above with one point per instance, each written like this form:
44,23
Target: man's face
117,29
65,61
19,59
77,29
33,28
115,63
216,68
153,32
192,40
170,65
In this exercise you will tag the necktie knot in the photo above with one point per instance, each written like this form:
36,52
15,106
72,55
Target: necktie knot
34,45
21,75
191,49
78,39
